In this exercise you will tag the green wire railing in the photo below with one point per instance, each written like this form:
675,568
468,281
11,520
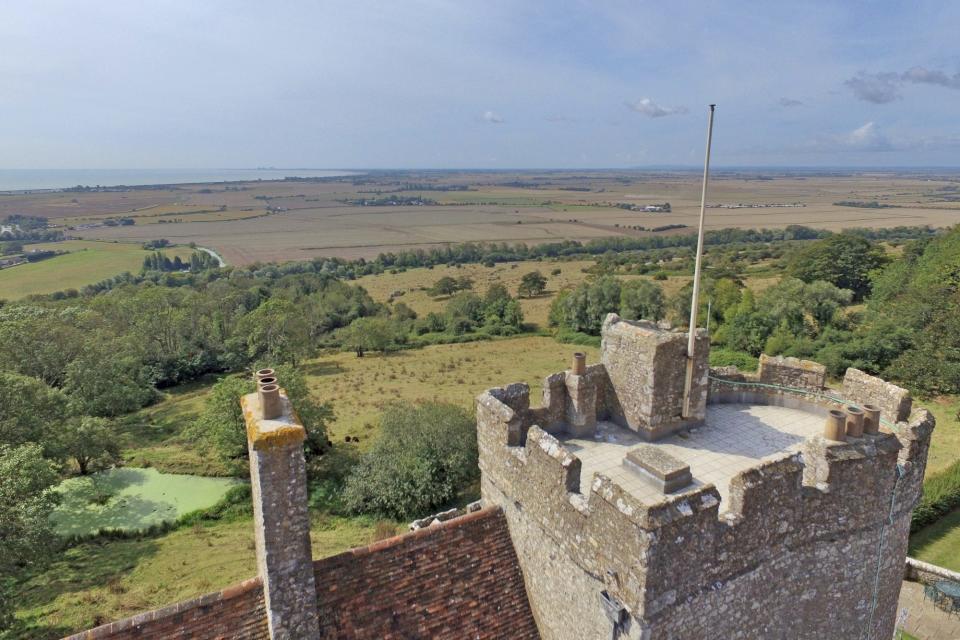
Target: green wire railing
805,392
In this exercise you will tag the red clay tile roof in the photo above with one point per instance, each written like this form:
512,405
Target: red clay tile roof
236,612
458,580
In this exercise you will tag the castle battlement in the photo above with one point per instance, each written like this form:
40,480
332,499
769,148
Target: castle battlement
747,507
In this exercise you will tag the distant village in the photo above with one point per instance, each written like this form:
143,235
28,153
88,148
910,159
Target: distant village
646,208
391,201
754,205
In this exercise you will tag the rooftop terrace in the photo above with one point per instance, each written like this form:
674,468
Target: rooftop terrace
734,437
623,418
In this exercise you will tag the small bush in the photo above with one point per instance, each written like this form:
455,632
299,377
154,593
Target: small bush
941,495
384,529
728,357
425,456
576,337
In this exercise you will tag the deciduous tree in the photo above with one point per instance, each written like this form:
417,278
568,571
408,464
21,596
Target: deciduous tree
26,501
532,284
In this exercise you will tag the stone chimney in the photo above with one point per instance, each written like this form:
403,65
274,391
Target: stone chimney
280,517
646,365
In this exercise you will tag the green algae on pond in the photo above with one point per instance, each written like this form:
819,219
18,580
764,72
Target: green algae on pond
132,499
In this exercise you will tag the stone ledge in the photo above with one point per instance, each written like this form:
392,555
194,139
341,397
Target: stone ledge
269,434
926,573
662,469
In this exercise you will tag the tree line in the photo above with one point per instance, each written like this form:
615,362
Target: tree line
199,261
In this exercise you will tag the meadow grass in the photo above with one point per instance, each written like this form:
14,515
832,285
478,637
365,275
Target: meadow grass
414,283
108,579
945,442
939,543
360,388
153,436
86,263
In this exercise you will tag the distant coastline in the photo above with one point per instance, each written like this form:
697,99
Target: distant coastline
20,180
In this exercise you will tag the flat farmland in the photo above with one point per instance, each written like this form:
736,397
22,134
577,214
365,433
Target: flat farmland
362,216
86,262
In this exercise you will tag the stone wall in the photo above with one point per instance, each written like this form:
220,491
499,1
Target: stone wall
792,372
646,368
817,524
895,402
926,573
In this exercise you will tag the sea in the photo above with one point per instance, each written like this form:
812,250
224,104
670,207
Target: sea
44,179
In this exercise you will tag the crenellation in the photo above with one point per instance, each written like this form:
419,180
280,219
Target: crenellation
825,515
895,402
792,372
552,414
641,362
581,409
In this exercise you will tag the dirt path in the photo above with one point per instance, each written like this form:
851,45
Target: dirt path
213,253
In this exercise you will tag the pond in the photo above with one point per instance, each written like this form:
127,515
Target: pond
131,499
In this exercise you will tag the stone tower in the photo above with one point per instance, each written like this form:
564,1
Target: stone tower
742,522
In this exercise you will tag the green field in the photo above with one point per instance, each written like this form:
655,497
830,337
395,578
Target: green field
86,263
105,580
132,499
939,543
945,443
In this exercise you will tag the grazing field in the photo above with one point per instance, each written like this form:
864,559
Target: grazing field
364,215
105,580
86,263
359,388
410,286
108,579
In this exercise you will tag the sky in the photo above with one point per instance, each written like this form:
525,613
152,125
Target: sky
477,84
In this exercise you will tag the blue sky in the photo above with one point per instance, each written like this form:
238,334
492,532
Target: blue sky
487,84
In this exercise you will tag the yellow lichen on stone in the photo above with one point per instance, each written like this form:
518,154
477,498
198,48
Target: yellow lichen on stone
268,434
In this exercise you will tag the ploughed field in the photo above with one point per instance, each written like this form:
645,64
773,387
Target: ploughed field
298,220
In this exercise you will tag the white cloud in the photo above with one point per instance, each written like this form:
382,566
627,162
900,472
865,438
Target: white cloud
790,102
869,137
649,108
491,117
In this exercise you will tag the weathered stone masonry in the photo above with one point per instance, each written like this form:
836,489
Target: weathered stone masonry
281,521
809,545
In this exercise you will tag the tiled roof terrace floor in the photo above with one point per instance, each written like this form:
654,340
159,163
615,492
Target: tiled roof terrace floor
734,438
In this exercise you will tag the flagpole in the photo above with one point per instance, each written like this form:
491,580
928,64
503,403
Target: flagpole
692,336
